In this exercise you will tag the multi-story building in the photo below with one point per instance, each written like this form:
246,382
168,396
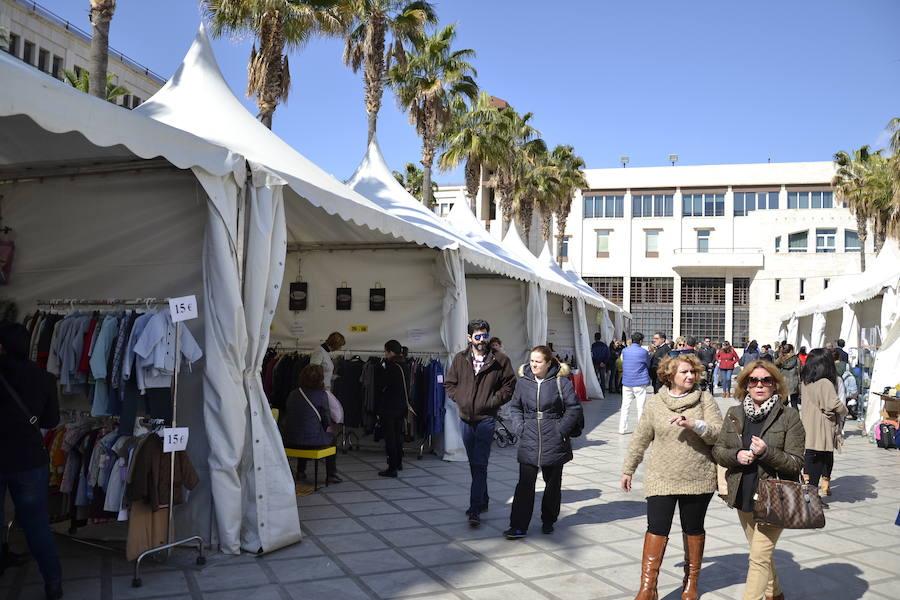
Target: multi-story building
53,45
712,250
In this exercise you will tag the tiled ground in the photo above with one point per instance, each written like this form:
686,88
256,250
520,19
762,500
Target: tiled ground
383,538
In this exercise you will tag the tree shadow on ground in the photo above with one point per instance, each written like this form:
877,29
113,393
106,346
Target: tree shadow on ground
852,488
580,495
604,513
582,442
832,581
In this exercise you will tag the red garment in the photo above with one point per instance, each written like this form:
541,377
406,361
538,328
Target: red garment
84,363
802,358
727,360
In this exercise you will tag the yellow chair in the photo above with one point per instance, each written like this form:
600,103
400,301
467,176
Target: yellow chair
315,454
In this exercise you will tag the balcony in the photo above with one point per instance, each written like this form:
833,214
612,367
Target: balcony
751,258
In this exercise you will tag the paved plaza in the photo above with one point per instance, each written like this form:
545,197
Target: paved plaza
371,537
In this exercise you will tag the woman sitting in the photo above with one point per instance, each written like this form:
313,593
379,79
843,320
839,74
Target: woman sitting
306,424
683,423
761,437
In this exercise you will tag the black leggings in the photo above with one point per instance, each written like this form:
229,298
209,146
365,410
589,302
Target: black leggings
691,508
817,464
523,501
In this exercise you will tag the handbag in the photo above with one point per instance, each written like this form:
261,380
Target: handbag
33,420
788,504
325,426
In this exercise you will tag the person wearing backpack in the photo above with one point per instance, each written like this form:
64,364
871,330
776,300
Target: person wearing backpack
546,414
683,424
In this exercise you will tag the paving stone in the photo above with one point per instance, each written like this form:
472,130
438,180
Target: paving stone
471,574
326,526
578,586
414,536
263,592
363,509
304,569
374,561
506,591
154,584
398,521
441,554
351,542
402,583
228,576
332,589
531,566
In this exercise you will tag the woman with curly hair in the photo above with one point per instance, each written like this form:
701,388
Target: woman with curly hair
761,437
682,422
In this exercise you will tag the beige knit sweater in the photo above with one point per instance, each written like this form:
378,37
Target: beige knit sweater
680,461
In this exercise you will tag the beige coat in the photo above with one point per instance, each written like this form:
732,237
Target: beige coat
821,411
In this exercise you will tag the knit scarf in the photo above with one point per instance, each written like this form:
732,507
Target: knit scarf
758,414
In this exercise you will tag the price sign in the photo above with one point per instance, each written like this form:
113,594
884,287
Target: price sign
175,439
359,328
183,309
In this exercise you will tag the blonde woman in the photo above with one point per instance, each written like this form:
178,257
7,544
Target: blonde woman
682,422
761,437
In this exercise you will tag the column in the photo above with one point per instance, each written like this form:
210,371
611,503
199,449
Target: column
676,305
729,307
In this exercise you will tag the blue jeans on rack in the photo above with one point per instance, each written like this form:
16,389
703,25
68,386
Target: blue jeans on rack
477,438
29,491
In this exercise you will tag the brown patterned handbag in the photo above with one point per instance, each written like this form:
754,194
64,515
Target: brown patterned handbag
788,504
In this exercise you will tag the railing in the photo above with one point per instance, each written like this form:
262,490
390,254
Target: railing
85,36
718,251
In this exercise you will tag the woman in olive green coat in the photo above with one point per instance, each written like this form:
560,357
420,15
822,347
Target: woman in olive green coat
760,437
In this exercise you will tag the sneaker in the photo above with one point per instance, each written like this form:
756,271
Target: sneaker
388,473
474,520
514,534
547,528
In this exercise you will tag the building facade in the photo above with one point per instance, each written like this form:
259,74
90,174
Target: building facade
53,45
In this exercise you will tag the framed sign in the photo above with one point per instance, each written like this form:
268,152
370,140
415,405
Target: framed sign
377,298
299,295
344,298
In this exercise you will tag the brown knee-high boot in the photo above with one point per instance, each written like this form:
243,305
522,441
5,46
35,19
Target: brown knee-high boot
693,557
654,550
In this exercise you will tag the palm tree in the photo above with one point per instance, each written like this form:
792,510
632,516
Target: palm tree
517,136
878,181
535,182
432,78
411,180
277,25
473,136
101,15
849,185
571,177
82,81
894,128
368,47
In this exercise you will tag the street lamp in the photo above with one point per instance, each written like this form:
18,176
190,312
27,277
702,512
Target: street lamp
673,158
624,160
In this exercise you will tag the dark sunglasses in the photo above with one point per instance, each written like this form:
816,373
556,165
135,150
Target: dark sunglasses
766,381
481,336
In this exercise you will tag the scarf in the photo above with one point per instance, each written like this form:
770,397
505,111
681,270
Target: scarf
758,414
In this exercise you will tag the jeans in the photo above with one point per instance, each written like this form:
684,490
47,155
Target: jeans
817,463
638,394
29,494
691,509
477,438
761,576
726,379
523,501
600,371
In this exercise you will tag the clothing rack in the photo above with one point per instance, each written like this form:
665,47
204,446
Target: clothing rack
346,352
158,423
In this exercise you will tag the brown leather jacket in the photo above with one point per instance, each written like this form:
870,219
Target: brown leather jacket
480,396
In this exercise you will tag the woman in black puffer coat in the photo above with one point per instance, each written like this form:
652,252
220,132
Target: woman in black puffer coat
544,410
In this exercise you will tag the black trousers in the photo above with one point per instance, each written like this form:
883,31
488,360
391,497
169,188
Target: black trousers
392,427
523,501
330,461
816,464
795,400
691,509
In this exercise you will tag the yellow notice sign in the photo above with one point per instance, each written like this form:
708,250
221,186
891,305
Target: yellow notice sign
359,328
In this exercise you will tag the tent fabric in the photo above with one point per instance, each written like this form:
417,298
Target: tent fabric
583,351
817,336
452,277
198,100
551,280
536,319
30,92
884,371
849,325
468,225
607,329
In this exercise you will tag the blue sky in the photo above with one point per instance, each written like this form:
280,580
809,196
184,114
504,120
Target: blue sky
713,81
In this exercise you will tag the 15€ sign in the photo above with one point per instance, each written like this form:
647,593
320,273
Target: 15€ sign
183,308
175,439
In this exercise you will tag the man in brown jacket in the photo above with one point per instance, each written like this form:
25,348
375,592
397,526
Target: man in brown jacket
480,381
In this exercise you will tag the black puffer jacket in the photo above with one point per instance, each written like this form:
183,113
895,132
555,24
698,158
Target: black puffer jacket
544,442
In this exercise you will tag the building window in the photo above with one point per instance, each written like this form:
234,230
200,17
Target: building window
826,282
703,205
136,101
564,251
825,240
57,66
703,307
747,202
43,60
798,242
651,304
804,200
851,241
491,192
703,240
603,243
13,47
651,243
28,52
777,244
740,334
651,205
803,289
604,207
611,288
778,289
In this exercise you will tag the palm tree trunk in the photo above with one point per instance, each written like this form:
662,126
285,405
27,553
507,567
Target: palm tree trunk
526,215
428,150
561,217
374,69
101,15
473,174
546,224
862,234
268,73
506,192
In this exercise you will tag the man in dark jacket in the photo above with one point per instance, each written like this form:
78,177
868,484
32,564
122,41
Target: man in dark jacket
392,404
707,355
27,402
480,382
662,349
600,358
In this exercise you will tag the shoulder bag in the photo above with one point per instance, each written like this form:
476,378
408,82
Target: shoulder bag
324,425
788,504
